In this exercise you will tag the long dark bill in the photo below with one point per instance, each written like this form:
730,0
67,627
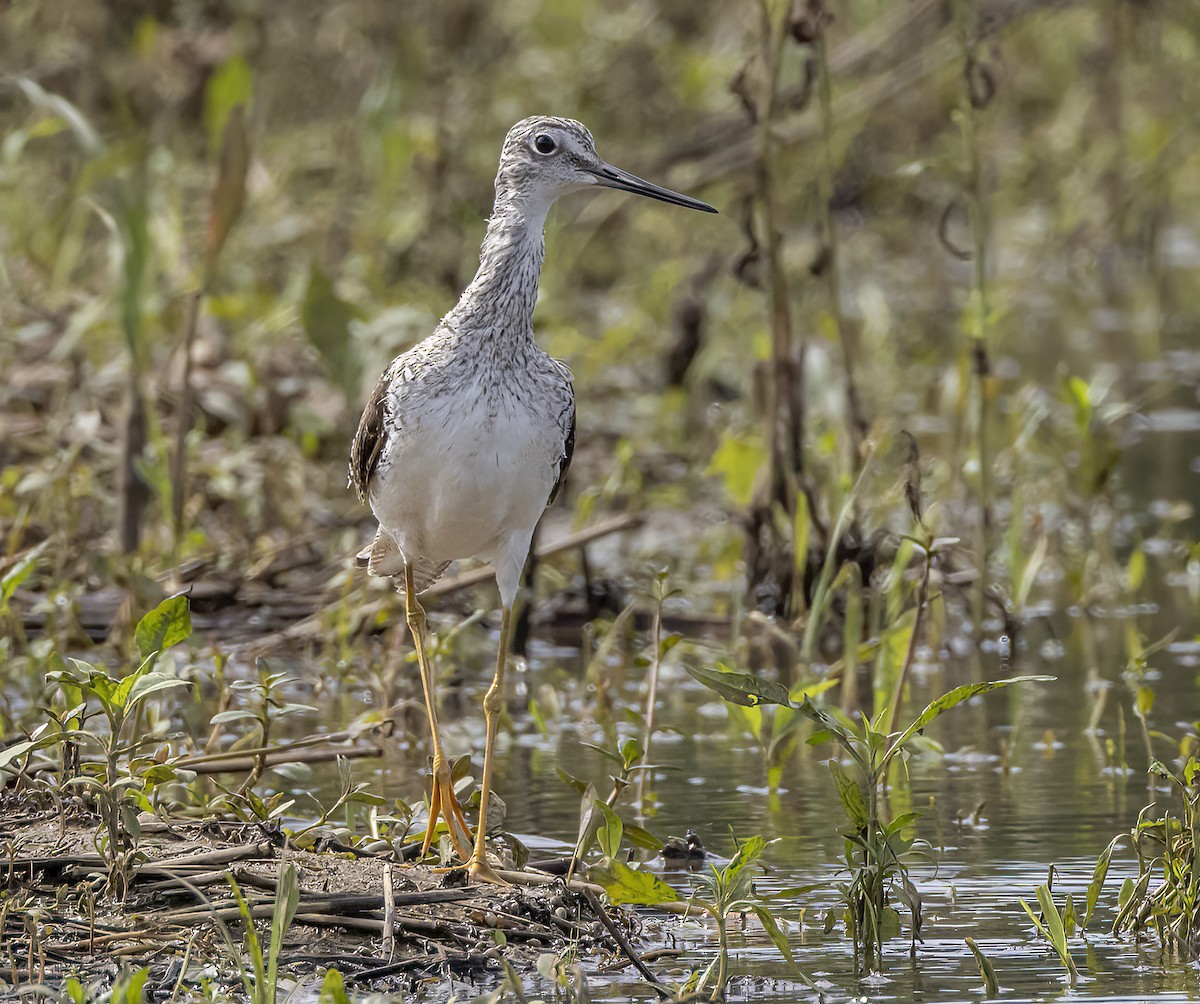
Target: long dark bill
614,177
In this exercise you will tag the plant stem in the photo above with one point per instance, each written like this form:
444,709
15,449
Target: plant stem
845,333
913,640
722,958
183,422
980,364
651,701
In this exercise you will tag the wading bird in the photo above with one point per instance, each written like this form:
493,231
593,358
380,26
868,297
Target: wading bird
467,436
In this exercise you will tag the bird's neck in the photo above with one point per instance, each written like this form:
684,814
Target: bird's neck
499,301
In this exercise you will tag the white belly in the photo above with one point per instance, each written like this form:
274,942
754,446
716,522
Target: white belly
461,483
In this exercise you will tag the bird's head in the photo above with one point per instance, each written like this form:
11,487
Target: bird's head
545,157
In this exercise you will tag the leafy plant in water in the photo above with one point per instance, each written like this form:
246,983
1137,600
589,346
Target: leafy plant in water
598,821
875,849
1166,848
122,779
730,891
1053,926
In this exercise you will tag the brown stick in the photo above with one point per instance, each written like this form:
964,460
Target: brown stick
236,763
626,947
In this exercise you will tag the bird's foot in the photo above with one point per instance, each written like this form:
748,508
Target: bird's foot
481,871
443,804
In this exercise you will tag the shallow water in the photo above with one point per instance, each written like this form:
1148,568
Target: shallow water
1049,793
1049,797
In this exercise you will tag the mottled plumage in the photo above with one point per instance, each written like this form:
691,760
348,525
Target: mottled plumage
468,435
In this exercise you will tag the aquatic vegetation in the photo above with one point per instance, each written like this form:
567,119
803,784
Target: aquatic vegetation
1165,895
973,221
877,849
1056,927
725,893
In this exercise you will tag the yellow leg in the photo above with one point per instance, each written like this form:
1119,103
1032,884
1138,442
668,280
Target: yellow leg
492,702
442,801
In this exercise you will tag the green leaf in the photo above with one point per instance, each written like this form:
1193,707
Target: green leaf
1099,874
578,784
333,989
287,899
741,688
229,191
940,705
778,938
1036,920
20,572
737,461
231,85
991,985
801,527
853,795
1052,919
130,987
641,837
748,852
610,831
624,885
631,753
326,318
1135,571
154,683
889,923
233,715
167,624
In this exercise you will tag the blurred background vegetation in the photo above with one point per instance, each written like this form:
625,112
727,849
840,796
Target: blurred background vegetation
983,212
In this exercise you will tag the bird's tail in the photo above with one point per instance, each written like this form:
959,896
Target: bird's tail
383,557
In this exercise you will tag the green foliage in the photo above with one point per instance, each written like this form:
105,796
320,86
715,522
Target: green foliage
333,989
729,891
261,977
123,779
991,986
229,88
876,851
1165,895
1051,925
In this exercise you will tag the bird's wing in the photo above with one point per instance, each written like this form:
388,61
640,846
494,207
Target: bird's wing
566,421
369,440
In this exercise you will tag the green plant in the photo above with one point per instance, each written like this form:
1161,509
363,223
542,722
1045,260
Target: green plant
1055,927
598,820
727,892
1167,848
122,778
266,705
261,977
350,793
876,849
128,988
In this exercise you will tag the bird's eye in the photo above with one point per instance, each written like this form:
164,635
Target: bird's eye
544,144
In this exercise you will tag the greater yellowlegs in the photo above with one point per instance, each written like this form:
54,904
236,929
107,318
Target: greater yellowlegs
467,436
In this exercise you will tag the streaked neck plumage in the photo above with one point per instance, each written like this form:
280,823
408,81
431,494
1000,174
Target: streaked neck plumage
500,299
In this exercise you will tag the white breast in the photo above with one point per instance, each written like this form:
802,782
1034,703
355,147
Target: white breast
466,475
